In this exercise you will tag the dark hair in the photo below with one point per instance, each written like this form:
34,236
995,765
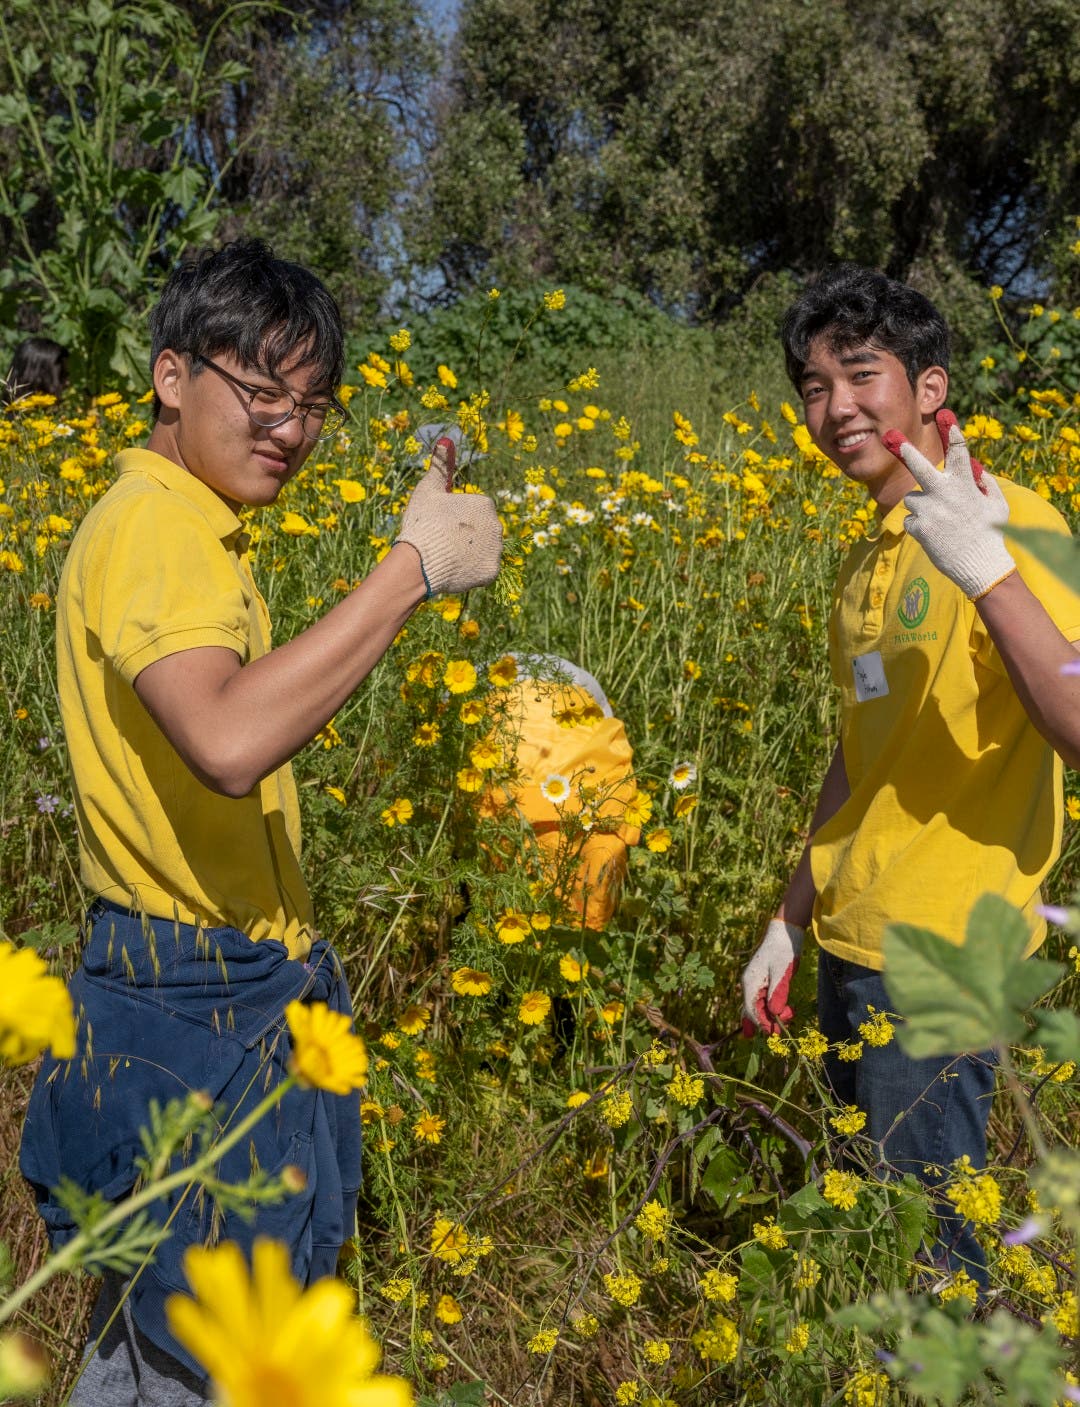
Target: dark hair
262,310
38,364
850,305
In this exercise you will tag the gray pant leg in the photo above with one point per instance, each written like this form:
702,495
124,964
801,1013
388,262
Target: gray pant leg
122,1368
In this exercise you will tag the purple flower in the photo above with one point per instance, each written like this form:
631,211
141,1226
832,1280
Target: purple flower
1072,667
1027,1231
47,804
1072,1393
1054,913
42,743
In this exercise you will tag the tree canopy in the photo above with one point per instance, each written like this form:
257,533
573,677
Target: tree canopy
679,151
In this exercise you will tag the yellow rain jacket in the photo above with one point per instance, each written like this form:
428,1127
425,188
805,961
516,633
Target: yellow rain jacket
573,778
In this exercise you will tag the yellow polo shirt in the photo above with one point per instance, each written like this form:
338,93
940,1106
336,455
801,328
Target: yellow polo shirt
158,566
953,791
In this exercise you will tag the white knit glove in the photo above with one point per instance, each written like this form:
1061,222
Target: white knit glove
958,516
767,978
458,535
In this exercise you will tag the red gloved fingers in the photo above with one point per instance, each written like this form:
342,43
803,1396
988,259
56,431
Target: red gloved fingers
749,1030
777,1003
451,459
945,421
892,440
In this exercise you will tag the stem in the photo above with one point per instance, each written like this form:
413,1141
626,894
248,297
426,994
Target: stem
68,1256
1027,1113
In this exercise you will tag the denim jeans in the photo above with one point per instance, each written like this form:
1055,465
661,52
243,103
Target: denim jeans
920,1114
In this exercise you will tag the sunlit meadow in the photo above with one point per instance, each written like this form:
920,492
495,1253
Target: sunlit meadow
581,1184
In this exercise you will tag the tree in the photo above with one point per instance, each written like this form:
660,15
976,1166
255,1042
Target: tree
133,132
95,183
685,149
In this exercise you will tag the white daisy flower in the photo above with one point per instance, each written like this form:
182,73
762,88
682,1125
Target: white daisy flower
683,774
555,788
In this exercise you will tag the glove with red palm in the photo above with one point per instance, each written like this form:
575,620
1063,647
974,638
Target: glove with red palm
767,978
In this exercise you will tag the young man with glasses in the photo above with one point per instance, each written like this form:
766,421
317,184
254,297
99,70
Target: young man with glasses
181,720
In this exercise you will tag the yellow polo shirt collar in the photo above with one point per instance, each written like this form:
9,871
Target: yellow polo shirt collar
223,521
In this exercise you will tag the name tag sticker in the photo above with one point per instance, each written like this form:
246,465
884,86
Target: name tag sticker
870,681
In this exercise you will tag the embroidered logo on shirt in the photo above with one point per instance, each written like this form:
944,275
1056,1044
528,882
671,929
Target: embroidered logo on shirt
914,603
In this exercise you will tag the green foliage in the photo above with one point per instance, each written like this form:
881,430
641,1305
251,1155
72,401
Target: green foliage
970,997
318,146
515,336
600,141
97,185
947,1359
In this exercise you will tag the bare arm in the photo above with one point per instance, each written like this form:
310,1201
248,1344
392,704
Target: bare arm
797,905
234,724
1033,650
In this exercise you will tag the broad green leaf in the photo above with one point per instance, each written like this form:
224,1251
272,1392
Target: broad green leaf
12,110
803,1206
968,997
910,1209
722,1175
1054,550
1058,1032
184,185
758,1277
106,300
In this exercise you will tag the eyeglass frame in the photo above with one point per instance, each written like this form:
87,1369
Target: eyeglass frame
332,404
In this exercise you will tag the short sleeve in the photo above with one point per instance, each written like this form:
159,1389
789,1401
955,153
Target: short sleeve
157,581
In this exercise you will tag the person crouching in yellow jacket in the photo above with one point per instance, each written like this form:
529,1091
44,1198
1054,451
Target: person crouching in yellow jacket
572,780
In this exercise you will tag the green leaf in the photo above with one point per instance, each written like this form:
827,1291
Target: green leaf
99,13
183,186
804,1206
758,1278
1058,1032
967,997
911,1211
722,1176
106,300
12,110
1057,551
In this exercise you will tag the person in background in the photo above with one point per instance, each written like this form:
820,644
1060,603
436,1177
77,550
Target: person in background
38,366
573,777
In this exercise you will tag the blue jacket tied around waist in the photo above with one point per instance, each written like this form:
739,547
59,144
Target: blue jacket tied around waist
166,1009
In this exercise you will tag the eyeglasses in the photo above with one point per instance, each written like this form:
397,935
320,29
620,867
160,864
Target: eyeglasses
269,406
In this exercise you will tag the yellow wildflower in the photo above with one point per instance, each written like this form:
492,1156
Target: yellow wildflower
326,1051
266,1341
